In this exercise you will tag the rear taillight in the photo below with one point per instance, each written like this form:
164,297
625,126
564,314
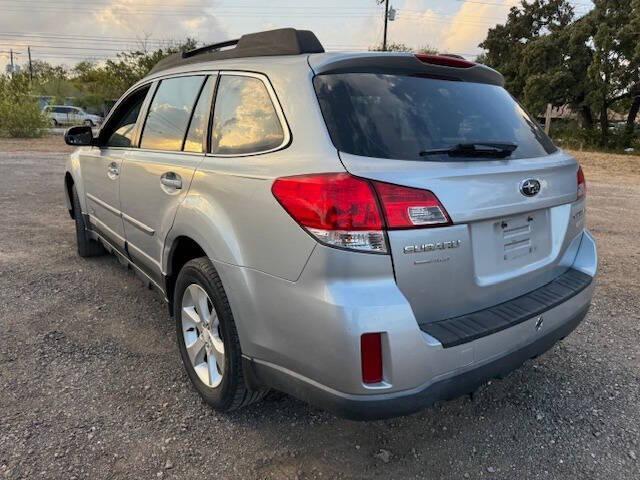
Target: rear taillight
406,207
371,357
336,208
582,183
344,211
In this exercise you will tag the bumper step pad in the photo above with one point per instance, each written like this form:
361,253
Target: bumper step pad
466,328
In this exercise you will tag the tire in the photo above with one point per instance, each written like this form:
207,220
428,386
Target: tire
87,247
228,391
89,123
54,123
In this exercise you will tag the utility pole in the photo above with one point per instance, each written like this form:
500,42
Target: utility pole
386,20
30,65
547,119
11,54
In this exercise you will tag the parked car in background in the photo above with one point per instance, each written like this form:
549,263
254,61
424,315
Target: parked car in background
369,232
621,127
69,115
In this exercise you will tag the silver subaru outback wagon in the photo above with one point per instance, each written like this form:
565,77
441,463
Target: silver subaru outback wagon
368,232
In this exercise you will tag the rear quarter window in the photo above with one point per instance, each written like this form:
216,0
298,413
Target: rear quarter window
245,120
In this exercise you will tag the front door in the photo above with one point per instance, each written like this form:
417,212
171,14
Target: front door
101,174
101,168
157,176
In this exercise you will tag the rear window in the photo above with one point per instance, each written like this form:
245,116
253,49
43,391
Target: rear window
398,116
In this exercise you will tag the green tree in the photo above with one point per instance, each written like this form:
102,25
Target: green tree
115,76
391,47
591,63
506,44
630,41
613,71
554,70
20,115
427,49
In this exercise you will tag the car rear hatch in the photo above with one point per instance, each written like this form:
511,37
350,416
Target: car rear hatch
508,192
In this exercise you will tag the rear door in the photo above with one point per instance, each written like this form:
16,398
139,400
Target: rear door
508,237
74,116
61,115
156,176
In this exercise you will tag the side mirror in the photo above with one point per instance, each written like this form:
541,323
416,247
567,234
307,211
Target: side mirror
79,136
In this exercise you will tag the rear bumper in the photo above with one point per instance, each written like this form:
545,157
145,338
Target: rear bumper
419,368
466,328
374,407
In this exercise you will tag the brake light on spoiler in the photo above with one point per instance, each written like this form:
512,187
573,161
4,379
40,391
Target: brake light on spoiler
454,61
344,211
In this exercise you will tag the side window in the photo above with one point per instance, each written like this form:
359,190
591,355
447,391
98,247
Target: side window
120,129
244,119
169,113
198,125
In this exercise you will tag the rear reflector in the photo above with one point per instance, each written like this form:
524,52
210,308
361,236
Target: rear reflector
582,183
371,354
406,207
444,60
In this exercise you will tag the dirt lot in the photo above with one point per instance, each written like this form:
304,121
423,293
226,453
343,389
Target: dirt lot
91,385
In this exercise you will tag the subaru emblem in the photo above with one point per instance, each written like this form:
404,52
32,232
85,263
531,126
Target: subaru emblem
530,187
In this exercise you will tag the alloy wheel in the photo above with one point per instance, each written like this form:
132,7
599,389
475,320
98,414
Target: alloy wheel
202,335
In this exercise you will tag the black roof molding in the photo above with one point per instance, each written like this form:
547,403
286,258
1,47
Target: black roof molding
283,41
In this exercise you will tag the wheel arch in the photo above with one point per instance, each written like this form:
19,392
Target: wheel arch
183,248
73,178
68,190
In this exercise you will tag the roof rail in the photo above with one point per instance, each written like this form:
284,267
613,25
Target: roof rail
207,48
283,41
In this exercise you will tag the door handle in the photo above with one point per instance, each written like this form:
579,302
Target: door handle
113,171
171,180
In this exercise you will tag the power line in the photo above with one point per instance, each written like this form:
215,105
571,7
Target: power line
83,37
65,47
517,3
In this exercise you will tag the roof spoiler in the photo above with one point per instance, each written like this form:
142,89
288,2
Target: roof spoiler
283,41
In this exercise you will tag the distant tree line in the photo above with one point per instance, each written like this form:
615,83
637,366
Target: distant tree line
591,63
94,86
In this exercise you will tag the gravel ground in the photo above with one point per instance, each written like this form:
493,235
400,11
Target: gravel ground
91,384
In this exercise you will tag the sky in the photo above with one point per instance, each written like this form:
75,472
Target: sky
68,31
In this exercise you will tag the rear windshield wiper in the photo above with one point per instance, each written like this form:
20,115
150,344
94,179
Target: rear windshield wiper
475,149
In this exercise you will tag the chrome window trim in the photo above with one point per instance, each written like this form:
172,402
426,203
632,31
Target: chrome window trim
124,96
143,83
260,76
276,106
